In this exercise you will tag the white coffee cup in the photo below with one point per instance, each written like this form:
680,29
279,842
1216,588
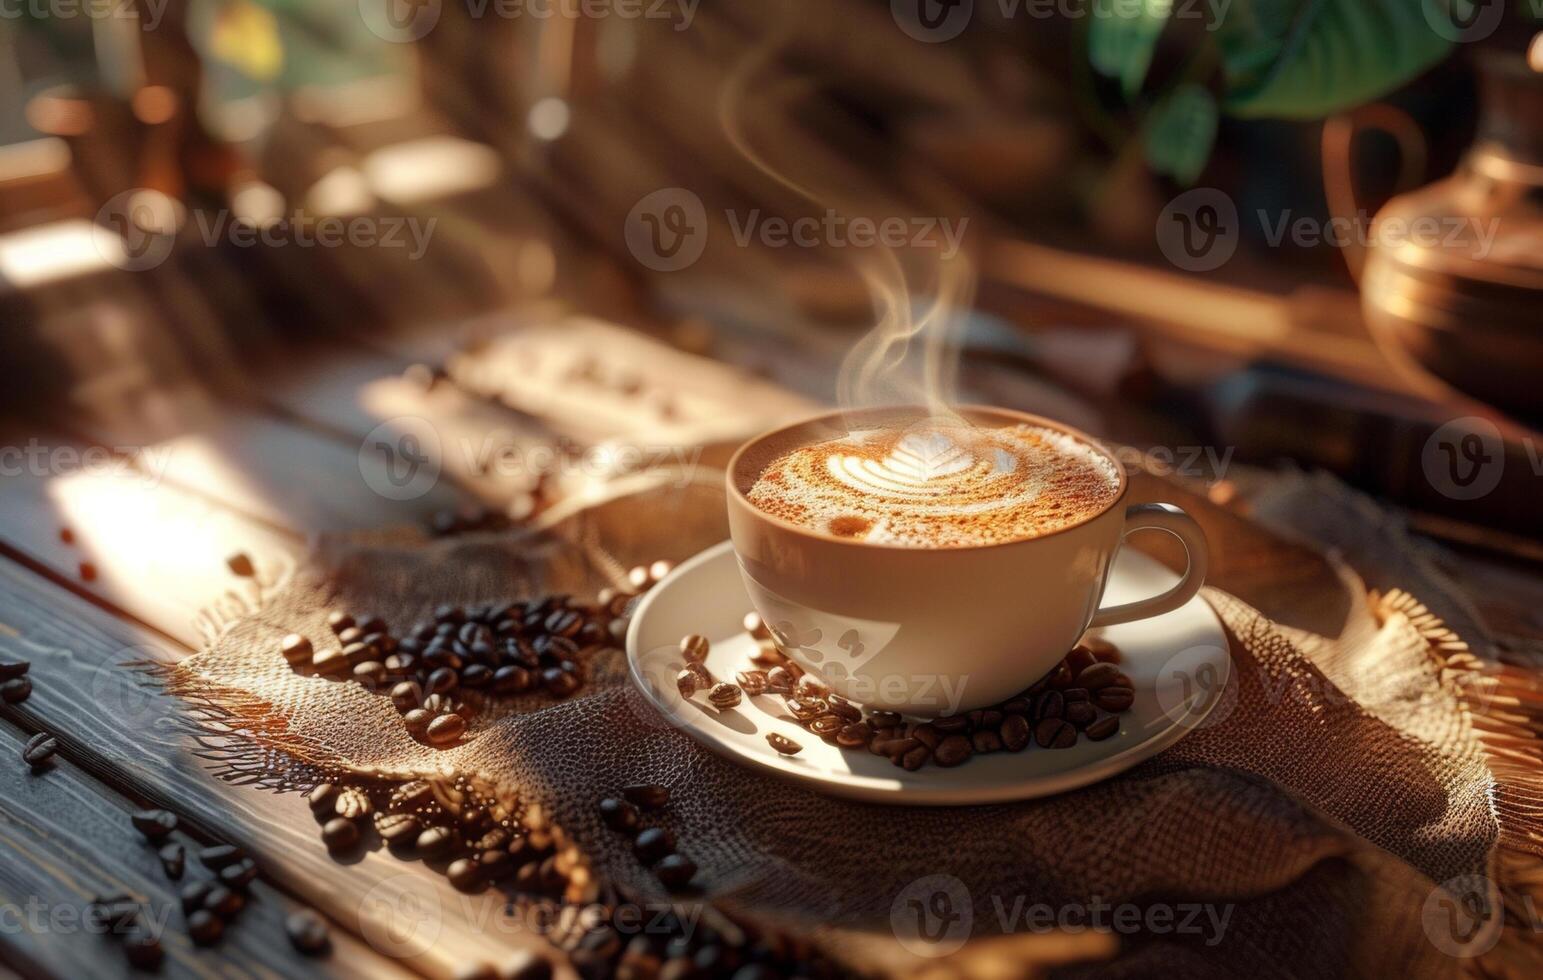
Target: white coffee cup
929,631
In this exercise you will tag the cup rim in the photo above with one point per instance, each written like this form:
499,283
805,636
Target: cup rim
738,496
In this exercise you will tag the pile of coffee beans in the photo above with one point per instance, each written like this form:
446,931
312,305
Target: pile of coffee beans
476,839
654,846
440,672
1083,696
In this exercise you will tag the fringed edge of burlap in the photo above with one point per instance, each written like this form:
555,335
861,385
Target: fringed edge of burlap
1503,707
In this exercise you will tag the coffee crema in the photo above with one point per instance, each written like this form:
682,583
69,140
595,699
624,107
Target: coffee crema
939,486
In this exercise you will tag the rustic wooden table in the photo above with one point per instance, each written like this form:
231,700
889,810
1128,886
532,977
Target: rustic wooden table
144,574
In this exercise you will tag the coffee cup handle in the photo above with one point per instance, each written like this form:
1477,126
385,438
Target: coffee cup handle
1161,517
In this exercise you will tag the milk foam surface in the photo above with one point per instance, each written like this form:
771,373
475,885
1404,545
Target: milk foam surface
939,486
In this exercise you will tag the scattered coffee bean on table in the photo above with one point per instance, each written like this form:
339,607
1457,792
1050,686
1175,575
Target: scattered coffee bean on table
694,648
755,627
218,856
322,798
153,825
783,744
307,932
40,750
174,859
435,842
224,902
205,928
143,949
649,796
686,683
1103,728
339,834
398,829
465,874
16,690
1055,733
412,795
10,670
352,804
239,875
193,895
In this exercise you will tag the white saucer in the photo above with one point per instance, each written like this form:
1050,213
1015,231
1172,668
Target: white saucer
1179,663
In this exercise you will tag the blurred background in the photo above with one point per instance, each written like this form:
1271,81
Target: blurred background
580,218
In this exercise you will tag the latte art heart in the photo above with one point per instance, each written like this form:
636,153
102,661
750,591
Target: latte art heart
945,486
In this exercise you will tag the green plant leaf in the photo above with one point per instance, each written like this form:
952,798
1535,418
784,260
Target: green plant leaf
1305,59
1120,43
1179,132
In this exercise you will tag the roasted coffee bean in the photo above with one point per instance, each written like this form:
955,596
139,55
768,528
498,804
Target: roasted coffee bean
350,636
694,648
647,796
990,718
373,624
1098,675
1015,733
223,902
435,842
883,719
1102,650
1114,699
724,696
39,750
951,724
1081,713
1073,694
116,912
87,572
675,870
952,751
855,735
401,666
845,710
398,829
443,681
768,657
339,620
465,874
558,682
783,744
619,815
687,684
339,834
637,578
564,622
652,844
659,569
154,824
496,865
307,932
476,677
1080,659
323,798
811,688
371,674
985,740
406,696
205,928
330,663
193,895
806,709
240,874
1016,706
418,720
1049,704
704,679
752,682
446,729
927,734
511,679
174,859
442,658
1103,728
826,725
779,680
616,629
412,795
296,648
220,856
143,949
16,690
353,804
755,626
914,758
1055,733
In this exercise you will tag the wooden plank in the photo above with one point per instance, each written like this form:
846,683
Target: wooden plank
155,551
132,740
65,838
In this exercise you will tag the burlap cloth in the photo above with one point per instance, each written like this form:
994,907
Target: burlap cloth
1368,757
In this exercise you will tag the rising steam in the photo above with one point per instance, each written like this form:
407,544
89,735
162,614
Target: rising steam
911,356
